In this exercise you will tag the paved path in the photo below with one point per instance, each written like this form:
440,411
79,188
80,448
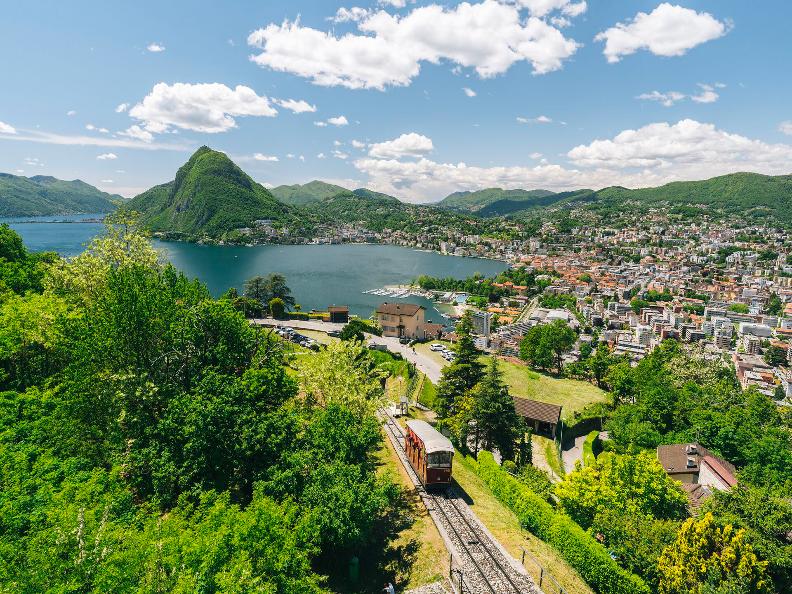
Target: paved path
573,454
425,364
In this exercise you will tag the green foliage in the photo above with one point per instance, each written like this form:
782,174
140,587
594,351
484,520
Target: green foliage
775,356
631,485
277,308
589,558
740,308
266,288
590,447
706,557
544,345
774,305
495,201
302,194
497,424
356,329
463,373
42,195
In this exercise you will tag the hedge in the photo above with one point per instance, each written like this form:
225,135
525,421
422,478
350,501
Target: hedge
590,447
588,557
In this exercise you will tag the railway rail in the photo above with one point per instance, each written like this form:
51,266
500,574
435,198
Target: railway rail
483,566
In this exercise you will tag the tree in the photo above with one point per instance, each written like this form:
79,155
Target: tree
774,305
464,373
354,330
629,484
544,346
266,288
497,423
708,558
740,308
600,363
775,356
277,308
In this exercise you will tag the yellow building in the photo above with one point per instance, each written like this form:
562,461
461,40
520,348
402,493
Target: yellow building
402,320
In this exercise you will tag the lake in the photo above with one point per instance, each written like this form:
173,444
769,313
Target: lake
319,275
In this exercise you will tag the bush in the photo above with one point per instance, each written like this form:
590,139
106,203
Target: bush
591,447
588,557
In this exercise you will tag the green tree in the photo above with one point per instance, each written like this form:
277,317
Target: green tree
266,288
775,356
544,345
497,423
740,308
355,329
708,558
277,308
774,305
463,374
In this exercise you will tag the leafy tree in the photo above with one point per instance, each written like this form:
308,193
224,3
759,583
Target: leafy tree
277,308
266,288
601,362
709,558
545,345
775,356
463,374
774,305
638,304
740,308
497,423
631,484
355,329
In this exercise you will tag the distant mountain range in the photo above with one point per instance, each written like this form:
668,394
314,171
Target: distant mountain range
211,196
42,195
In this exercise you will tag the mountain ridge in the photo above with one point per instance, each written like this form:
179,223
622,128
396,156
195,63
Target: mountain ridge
45,195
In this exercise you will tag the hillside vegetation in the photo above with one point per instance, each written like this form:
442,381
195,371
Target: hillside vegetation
43,195
210,195
483,202
301,194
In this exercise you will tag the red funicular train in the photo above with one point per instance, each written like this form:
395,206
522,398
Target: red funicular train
430,453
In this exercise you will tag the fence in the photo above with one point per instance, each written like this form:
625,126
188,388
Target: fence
541,576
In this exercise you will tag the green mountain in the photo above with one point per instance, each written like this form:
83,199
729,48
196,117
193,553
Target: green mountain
301,194
42,195
210,196
496,201
745,195
366,193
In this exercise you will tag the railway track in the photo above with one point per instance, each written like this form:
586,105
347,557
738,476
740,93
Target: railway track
483,566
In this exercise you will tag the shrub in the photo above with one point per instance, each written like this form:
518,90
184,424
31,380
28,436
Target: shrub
590,448
588,557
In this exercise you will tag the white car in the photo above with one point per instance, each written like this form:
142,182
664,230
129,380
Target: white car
436,347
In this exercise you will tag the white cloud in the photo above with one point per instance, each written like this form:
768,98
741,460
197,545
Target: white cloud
358,144
155,47
354,14
133,142
302,158
708,93
653,155
390,48
107,157
321,156
93,128
394,3
138,133
71,113
122,107
295,105
20,171
536,155
541,8
669,30
406,145
542,119
107,181
290,155
33,162
785,127
340,155
207,107
337,143
666,99
469,92
263,157
336,121
560,22
7,128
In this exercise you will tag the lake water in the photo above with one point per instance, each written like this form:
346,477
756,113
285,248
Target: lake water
318,275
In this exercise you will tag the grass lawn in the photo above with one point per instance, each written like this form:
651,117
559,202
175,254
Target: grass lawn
320,337
573,395
505,526
423,555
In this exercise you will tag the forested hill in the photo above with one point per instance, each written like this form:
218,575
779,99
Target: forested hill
42,195
301,194
210,196
486,200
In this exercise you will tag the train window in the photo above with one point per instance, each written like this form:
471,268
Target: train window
439,460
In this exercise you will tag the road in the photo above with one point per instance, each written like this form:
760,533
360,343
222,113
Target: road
431,368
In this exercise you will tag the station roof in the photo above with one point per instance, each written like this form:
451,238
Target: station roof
433,440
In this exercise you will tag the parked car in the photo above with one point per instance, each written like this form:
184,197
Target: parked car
334,333
436,347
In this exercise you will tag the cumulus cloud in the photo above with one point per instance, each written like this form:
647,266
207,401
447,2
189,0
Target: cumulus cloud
155,47
7,128
542,119
706,94
341,155
785,127
469,92
263,157
71,113
137,133
389,49
107,181
669,30
406,145
652,155
107,157
122,107
295,105
92,128
207,107
354,14
358,144
394,3
541,8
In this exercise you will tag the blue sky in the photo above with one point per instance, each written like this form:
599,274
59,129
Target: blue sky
562,93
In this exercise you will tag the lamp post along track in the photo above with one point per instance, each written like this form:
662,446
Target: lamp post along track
484,568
